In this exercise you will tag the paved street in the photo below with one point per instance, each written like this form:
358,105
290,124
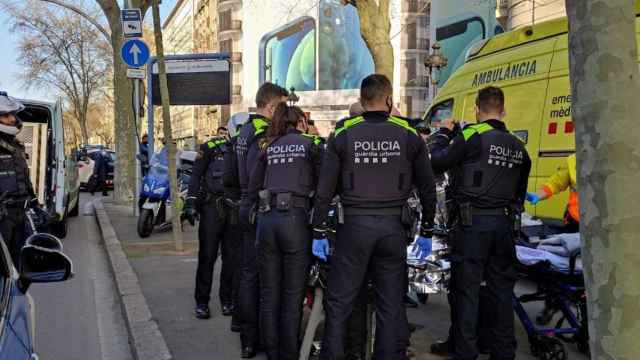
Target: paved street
81,319
167,281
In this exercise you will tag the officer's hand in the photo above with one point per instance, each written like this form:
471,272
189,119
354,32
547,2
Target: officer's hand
422,247
533,198
320,248
190,212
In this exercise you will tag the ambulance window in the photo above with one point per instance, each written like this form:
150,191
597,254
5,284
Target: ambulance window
443,110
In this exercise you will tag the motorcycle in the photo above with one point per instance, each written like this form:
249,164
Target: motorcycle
155,193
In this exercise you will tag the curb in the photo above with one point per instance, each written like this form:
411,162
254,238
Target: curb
147,342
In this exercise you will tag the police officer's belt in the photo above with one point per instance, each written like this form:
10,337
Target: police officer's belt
490,211
294,202
373,211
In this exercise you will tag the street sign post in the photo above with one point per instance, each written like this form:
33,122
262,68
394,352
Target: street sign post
135,53
194,79
135,73
131,23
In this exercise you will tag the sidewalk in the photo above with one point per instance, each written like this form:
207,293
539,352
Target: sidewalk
167,281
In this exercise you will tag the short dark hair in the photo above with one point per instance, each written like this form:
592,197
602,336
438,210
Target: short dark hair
490,100
222,128
268,92
375,87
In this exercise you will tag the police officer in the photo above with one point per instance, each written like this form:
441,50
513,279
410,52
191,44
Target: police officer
207,198
282,183
16,190
232,204
375,161
247,150
490,169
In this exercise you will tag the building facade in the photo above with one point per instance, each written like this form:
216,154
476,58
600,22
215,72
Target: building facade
313,46
517,13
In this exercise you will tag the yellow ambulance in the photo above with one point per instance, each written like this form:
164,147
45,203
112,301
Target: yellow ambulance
531,65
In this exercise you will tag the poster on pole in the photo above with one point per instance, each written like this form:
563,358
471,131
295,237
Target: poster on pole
194,81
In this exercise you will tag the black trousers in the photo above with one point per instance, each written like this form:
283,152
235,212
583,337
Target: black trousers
373,246
216,233
231,254
484,251
12,229
249,292
284,256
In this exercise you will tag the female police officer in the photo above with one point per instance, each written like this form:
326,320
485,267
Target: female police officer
282,183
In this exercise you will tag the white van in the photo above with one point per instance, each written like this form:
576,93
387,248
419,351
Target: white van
53,170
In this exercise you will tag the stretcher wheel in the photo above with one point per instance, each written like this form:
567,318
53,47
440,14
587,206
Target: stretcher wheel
549,348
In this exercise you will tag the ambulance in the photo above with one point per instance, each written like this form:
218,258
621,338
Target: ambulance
531,65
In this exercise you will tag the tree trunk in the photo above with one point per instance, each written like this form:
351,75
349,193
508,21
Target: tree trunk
124,181
375,28
605,86
83,128
166,121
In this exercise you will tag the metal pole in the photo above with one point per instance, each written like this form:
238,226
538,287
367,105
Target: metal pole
136,112
150,113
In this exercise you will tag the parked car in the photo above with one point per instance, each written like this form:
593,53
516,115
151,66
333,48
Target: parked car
42,261
86,164
52,167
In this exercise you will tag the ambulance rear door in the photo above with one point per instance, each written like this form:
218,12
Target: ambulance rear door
557,138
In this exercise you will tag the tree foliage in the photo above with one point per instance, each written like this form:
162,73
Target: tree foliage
62,52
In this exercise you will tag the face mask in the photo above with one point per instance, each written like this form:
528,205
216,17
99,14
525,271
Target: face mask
390,105
9,130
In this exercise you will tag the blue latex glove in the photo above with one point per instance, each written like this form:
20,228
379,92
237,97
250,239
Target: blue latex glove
422,247
320,248
533,198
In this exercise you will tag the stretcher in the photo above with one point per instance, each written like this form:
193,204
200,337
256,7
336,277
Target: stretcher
561,289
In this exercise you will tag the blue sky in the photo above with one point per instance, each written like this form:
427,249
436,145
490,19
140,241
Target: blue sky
9,65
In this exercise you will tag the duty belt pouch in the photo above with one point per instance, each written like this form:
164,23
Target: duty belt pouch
220,209
408,216
340,213
466,214
264,201
283,201
233,212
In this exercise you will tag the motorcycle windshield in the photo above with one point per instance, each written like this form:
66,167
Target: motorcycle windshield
159,165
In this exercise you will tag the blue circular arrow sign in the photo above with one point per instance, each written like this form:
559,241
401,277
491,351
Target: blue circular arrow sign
135,53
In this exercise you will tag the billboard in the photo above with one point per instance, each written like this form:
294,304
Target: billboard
321,51
457,24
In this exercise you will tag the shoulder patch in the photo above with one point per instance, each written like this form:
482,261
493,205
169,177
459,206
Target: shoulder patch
404,123
348,123
470,130
316,139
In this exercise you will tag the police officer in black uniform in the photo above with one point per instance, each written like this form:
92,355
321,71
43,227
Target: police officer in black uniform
16,190
490,170
248,152
207,198
232,204
375,161
282,183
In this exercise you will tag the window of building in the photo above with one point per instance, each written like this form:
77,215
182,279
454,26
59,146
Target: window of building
225,20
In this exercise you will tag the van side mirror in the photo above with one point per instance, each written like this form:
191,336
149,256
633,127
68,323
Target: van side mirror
42,261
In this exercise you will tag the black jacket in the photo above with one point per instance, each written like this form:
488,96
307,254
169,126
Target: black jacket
450,150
